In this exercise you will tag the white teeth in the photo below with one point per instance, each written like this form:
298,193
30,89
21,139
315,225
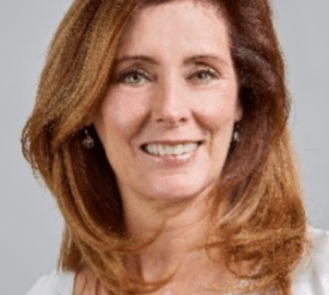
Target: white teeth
180,149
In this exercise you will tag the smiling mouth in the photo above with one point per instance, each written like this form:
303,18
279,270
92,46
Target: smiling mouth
173,150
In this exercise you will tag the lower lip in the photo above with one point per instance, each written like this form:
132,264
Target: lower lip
173,160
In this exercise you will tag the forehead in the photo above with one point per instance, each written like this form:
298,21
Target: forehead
187,23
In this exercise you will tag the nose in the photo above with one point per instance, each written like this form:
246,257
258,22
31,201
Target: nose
169,104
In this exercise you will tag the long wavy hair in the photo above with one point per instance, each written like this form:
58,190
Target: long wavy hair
265,224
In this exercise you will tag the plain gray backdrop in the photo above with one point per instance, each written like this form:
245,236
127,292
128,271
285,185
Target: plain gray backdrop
30,223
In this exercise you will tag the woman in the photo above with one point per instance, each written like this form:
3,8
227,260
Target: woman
161,129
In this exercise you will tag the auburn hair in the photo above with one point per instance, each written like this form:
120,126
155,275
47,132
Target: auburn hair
265,224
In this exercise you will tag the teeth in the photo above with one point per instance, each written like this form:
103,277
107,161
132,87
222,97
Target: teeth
180,149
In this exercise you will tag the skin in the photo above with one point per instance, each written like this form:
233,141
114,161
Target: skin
169,99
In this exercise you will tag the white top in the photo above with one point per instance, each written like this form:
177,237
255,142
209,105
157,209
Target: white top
311,278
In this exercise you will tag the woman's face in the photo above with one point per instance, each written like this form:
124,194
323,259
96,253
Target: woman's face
174,86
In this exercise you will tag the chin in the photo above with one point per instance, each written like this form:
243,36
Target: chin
178,190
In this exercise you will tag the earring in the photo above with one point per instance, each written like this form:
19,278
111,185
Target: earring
236,135
88,142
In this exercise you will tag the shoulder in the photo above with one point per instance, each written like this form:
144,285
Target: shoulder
312,275
54,284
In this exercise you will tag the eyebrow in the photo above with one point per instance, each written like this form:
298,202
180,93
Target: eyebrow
186,61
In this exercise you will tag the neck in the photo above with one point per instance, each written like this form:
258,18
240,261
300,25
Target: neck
186,227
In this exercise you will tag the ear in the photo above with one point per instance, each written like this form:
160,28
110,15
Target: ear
89,120
238,112
91,117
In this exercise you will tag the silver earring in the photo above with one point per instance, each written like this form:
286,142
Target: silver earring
88,142
236,135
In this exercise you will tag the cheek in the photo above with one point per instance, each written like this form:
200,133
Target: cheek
120,115
217,109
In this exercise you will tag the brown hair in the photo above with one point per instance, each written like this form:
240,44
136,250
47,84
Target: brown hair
265,223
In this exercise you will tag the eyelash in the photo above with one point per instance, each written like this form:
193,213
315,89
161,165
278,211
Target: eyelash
209,72
130,73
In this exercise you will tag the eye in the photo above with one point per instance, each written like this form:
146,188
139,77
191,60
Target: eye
133,77
204,76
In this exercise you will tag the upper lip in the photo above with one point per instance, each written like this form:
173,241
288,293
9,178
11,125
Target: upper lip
173,142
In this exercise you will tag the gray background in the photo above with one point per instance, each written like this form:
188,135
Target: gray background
30,222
